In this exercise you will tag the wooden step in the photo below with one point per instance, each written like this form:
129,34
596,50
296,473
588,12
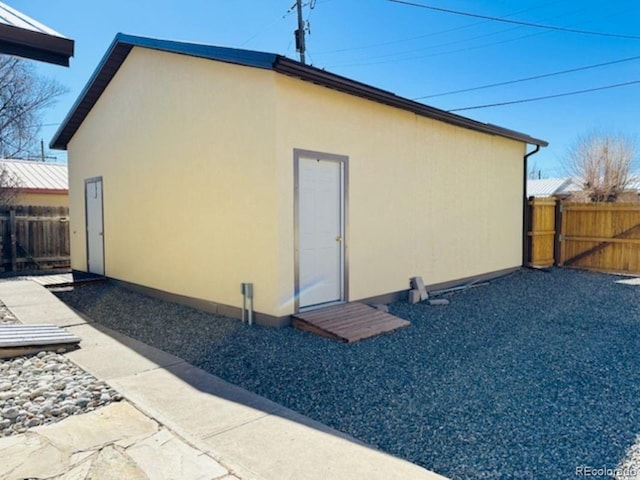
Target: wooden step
347,322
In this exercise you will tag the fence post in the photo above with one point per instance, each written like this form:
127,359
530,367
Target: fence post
12,237
557,245
562,238
531,230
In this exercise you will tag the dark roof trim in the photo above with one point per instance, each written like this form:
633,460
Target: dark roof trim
24,37
44,191
35,45
343,84
122,45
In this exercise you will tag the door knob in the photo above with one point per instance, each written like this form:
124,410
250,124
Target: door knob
338,238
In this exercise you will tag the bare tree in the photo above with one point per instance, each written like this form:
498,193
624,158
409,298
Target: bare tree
10,186
602,164
23,97
534,172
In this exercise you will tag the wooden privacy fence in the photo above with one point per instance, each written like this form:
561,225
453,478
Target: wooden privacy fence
34,238
603,236
542,231
596,236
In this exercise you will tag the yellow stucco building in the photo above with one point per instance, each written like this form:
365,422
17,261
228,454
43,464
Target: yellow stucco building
194,169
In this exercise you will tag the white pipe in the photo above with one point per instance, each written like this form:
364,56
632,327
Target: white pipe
244,301
249,291
247,294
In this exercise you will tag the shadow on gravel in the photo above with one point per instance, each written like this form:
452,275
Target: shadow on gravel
532,376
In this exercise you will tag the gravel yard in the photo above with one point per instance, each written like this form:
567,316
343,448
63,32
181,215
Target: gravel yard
45,388
531,377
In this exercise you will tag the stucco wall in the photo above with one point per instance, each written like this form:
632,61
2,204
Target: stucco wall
425,198
185,148
197,164
43,199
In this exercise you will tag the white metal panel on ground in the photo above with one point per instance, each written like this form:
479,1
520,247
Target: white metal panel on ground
95,234
320,260
26,335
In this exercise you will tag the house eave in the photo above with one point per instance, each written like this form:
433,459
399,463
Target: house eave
35,45
346,85
122,45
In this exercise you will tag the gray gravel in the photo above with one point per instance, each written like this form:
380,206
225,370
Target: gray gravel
45,388
529,377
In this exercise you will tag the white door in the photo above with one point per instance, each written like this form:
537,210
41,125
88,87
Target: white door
95,237
320,231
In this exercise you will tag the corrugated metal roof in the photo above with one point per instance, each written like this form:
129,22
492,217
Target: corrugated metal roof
25,37
38,175
122,45
634,183
547,187
10,16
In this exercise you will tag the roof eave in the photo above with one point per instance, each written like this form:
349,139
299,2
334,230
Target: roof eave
43,191
115,57
35,45
122,45
343,84
102,75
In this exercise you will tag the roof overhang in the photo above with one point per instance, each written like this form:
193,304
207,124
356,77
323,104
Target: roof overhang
22,36
343,84
122,45
44,191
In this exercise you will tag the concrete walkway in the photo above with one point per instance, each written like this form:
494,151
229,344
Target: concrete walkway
177,421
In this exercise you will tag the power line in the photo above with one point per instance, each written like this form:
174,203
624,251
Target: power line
448,52
402,40
267,27
526,79
437,54
395,58
431,34
38,125
566,94
517,22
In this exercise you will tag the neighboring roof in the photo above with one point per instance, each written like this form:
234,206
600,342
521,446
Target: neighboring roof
38,176
23,36
548,187
634,183
122,45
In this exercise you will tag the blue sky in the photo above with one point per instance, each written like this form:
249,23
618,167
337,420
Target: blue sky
410,51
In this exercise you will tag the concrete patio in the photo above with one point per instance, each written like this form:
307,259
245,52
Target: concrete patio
177,421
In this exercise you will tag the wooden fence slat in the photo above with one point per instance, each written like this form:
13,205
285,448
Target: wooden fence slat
603,237
34,237
541,231
12,235
605,240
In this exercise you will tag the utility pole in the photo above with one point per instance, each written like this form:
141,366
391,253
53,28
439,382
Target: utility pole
299,33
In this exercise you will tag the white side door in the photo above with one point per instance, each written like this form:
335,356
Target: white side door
320,231
95,226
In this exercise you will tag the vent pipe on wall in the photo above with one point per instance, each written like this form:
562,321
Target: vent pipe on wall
247,297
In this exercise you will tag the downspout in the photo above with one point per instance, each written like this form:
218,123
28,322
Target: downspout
525,208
